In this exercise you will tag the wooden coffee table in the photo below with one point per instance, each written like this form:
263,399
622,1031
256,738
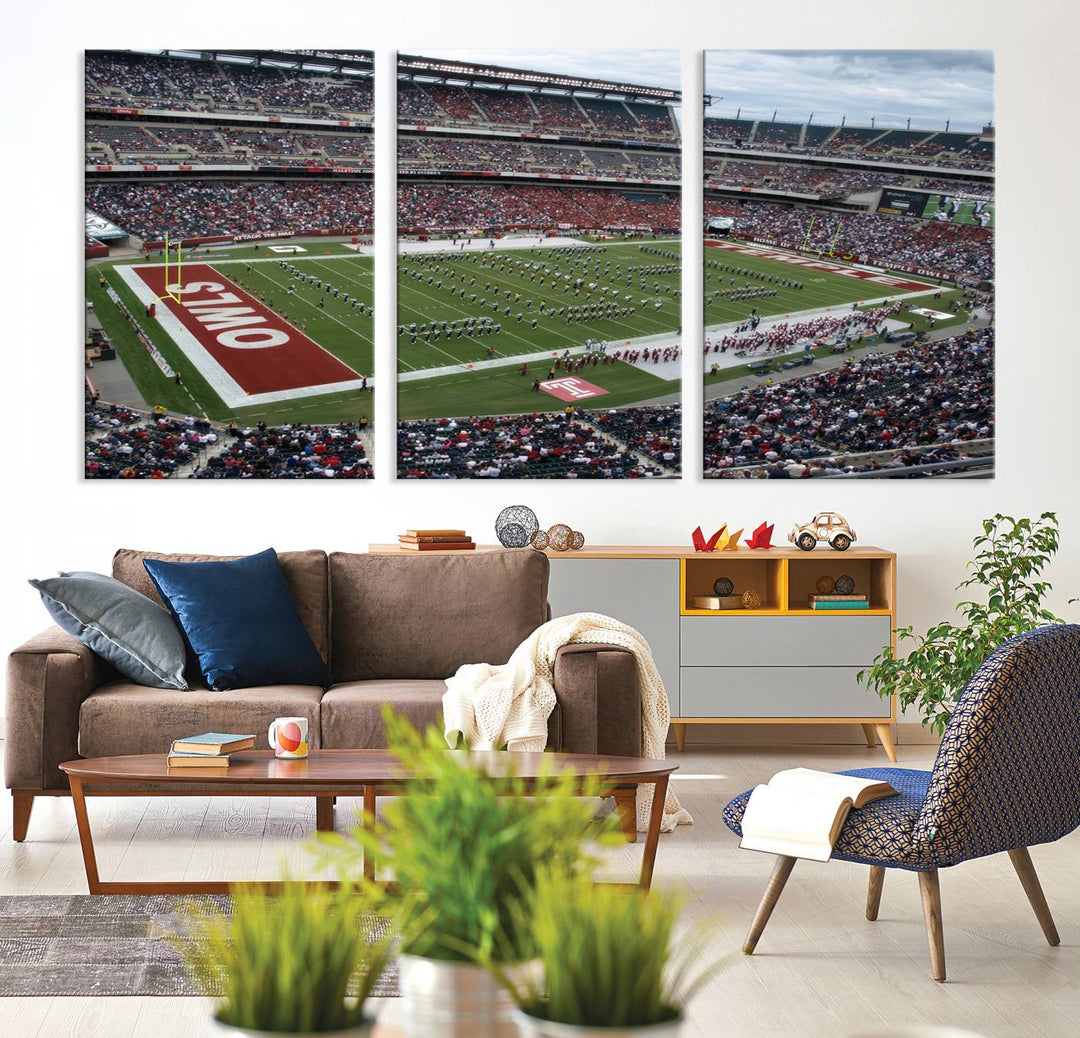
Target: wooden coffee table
327,774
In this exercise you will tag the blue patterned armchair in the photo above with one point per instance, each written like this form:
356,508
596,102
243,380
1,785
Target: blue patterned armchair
1006,777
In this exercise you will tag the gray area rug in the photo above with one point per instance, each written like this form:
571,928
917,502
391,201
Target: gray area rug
110,944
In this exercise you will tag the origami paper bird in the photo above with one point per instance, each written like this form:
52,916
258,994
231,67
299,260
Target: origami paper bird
762,536
733,541
700,544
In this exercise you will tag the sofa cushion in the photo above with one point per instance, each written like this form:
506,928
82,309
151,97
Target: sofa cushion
136,635
122,718
304,571
397,616
352,712
240,619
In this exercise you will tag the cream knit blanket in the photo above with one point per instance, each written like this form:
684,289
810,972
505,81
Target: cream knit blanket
509,705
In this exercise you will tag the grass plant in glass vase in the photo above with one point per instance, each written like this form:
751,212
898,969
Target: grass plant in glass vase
465,846
1007,598
608,964
301,961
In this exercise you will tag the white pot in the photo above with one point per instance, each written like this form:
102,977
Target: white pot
361,1030
534,1027
452,1000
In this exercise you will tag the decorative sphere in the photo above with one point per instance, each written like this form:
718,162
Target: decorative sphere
539,540
825,585
751,599
723,586
515,526
577,542
845,585
560,537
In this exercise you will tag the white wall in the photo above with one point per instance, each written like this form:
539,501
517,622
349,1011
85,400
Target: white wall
56,521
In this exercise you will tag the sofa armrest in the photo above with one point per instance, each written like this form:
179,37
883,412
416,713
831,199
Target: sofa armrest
599,699
47,680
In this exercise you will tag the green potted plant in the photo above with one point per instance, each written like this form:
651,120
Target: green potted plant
298,962
606,961
1010,556
465,849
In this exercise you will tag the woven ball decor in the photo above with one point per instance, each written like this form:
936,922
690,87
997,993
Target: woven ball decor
515,526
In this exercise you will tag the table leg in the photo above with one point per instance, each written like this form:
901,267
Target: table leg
652,837
86,838
324,814
626,806
369,823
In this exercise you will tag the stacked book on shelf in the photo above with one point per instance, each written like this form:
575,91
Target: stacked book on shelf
209,750
436,540
826,602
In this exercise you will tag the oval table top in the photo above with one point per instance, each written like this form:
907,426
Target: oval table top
374,767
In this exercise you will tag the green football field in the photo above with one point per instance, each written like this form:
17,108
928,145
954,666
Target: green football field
632,288
339,328
820,288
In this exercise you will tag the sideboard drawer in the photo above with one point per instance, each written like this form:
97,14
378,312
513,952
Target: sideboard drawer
778,641
778,692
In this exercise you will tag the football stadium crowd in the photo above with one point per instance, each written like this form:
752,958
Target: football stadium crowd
484,154
828,180
585,116
954,250
935,394
635,443
194,208
122,443
423,207
223,145
183,84
907,147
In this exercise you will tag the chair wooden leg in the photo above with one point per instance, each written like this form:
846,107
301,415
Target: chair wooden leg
324,814
21,806
873,892
871,739
781,871
1021,860
931,906
680,736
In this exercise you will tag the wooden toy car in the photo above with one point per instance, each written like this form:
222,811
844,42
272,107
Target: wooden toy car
825,526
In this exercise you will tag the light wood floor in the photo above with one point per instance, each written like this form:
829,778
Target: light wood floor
820,969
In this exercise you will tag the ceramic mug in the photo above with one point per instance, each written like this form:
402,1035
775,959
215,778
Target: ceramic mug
288,737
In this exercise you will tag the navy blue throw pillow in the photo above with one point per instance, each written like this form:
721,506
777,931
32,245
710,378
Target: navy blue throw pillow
240,621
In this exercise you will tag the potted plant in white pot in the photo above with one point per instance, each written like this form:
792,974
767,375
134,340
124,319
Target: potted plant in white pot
465,849
606,963
298,962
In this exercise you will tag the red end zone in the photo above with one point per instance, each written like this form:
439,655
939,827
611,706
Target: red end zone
258,350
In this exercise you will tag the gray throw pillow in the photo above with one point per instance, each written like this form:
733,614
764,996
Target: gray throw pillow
136,635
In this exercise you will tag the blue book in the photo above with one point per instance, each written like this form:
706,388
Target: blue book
212,744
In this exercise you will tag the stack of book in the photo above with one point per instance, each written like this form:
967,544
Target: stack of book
209,750
436,540
838,601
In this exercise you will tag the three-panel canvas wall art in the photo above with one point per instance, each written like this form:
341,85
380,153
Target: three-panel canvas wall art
844,317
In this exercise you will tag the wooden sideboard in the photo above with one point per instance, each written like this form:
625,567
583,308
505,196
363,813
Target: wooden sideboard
780,663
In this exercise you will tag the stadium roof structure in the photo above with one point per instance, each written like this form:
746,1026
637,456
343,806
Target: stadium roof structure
444,70
360,61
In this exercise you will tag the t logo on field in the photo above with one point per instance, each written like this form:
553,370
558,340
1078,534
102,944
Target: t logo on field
571,389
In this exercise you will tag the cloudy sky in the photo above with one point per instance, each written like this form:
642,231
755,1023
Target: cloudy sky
892,86
662,68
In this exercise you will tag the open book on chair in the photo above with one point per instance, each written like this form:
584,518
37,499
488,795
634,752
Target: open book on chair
800,812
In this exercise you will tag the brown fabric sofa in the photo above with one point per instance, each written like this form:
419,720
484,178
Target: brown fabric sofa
391,629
